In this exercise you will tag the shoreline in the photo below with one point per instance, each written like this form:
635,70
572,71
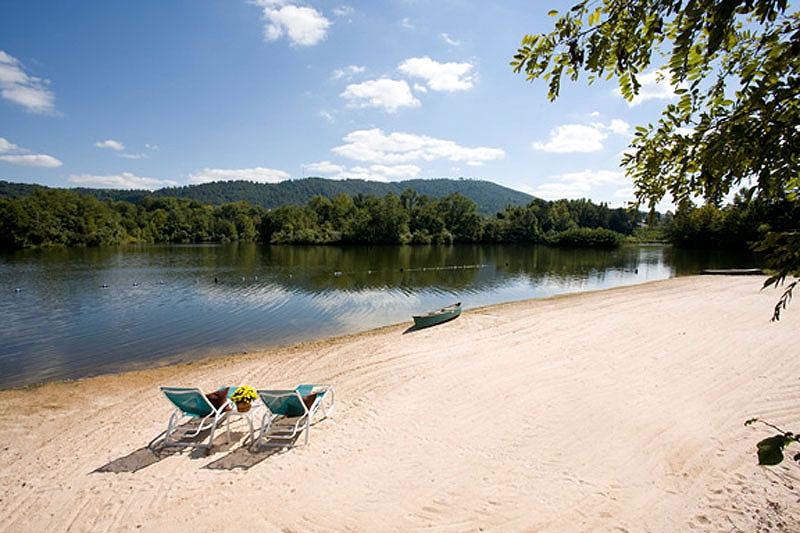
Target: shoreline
135,367
616,408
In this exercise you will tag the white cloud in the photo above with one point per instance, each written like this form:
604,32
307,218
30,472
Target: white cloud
371,173
259,174
126,180
382,172
6,146
19,156
386,94
578,184
406,23
153,147
626,193
117,146
572,138
347,72
439,76
322,168
110,143
654,86
376,147
569,138
304,26
620,127
32,160
395,171
17,87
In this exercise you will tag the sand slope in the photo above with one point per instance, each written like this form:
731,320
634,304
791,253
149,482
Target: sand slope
616,410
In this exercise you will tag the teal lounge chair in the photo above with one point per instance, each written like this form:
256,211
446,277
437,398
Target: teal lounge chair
288,412
193,414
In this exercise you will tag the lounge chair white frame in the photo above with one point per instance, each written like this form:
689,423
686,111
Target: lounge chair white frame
192,408
277,405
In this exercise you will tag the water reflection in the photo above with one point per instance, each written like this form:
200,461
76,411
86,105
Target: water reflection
80,312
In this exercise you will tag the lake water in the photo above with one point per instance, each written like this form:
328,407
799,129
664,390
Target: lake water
73,313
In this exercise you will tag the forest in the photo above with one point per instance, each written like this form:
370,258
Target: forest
61,217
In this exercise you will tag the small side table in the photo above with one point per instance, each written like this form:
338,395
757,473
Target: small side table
249,415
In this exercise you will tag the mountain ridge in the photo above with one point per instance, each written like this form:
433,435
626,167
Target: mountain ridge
489,196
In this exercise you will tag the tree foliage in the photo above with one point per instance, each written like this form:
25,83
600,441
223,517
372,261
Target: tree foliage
736,123
58,217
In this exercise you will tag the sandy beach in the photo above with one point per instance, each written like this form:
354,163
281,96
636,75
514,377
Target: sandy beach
616,410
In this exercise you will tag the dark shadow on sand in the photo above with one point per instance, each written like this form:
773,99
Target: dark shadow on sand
155,451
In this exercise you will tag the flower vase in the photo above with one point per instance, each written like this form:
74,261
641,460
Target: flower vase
243,407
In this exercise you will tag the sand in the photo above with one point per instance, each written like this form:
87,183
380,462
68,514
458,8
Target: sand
616,410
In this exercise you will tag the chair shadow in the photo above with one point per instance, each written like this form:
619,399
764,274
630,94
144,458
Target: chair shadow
155,451
244,458
139,459
250,454
233,455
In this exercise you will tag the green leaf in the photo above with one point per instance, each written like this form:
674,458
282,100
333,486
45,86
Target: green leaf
552,13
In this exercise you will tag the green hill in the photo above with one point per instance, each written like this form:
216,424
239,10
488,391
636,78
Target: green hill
490,197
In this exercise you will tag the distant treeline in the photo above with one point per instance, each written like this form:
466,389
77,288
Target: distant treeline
60,217
489,196
737,225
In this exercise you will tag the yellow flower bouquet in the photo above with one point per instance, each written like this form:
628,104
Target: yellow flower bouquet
243,397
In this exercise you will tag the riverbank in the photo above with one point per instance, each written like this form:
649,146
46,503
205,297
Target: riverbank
616,409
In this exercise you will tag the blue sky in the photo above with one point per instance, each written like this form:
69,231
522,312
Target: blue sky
152,94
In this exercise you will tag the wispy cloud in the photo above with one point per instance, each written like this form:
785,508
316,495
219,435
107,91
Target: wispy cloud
384,93
32,160
347,72
18,87
11,153
343,11
439,76
374,146
118,146
303,26
329,116
111,144
449,40
125,180
406,23
260,174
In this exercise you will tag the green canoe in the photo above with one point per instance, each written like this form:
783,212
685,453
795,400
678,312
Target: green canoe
437,317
